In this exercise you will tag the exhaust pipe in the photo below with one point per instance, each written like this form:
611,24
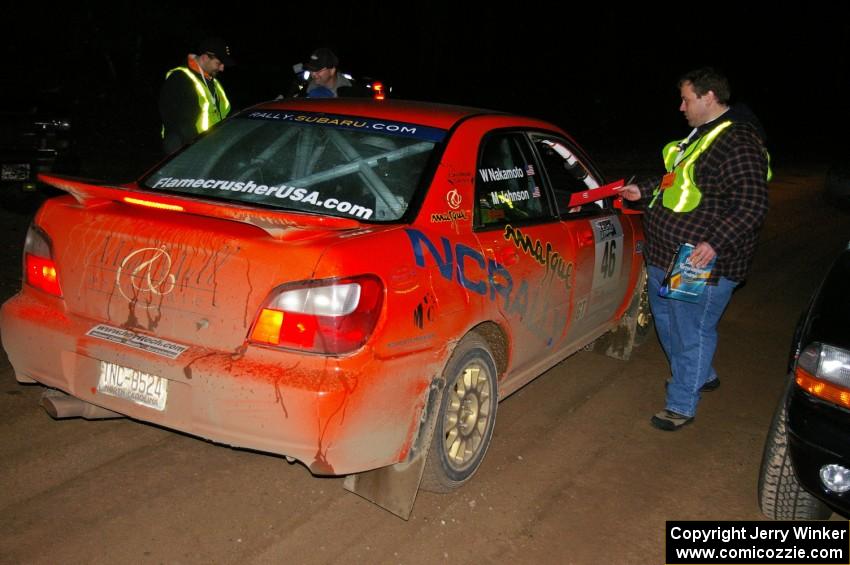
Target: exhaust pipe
60,405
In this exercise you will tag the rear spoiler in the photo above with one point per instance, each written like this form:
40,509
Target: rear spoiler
273,222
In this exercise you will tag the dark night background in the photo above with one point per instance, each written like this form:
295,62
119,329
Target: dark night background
607,76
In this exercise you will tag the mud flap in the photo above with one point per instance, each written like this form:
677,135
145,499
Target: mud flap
620,342
394,488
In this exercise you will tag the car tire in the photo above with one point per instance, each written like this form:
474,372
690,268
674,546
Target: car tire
466,417
781,497
645,325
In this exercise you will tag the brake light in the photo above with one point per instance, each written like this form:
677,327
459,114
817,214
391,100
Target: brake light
378,88
331,316
39,266
153,204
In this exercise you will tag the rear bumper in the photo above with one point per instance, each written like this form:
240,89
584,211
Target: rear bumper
336,415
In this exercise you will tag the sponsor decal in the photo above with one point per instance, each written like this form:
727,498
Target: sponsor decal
545,256
145,274
282,192
425,311
155,345
492,215
454,199
411,341
400,129
606,229
581,309
157,276
608,254
452,216
459,177
493,174
471,270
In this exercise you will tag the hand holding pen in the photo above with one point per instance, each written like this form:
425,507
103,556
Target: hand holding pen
629,190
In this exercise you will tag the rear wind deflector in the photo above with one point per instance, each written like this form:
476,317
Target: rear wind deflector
275,223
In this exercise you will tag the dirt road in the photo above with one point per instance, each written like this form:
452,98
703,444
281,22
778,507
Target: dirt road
575,473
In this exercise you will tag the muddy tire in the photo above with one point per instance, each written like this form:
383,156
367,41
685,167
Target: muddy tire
635,326
781,497
645,326
466,417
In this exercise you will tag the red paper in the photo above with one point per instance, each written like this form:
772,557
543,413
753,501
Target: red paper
594,194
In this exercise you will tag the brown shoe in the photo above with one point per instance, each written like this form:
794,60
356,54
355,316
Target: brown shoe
670,421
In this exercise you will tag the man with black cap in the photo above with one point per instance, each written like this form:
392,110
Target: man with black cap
325,81
192,99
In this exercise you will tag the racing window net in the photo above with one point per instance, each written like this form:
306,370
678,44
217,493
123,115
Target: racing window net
344,166
567,173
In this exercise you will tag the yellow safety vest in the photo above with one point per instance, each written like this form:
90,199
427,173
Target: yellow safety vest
683,194
206,118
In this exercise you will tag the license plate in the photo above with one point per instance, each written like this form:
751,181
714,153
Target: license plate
15,171
135,386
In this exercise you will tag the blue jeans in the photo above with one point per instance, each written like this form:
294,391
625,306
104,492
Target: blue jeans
688,334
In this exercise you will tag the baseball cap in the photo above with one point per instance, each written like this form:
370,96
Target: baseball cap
219,48
321,58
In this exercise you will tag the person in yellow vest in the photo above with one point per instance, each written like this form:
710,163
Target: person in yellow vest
192,99
713,196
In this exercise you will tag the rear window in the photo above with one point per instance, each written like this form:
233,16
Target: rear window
336,165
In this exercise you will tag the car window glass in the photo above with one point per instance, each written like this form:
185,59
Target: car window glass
335,165
566,173
507,189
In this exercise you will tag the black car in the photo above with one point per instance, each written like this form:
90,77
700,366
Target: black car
36,136
837,183
805,469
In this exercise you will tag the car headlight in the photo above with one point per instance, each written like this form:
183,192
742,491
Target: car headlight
824,371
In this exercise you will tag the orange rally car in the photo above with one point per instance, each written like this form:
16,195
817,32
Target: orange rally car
351,284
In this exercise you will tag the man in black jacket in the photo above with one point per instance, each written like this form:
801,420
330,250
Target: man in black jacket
192,99
714,196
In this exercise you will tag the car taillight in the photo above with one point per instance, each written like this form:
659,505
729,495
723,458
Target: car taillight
378,89
39,266
331,316
824,371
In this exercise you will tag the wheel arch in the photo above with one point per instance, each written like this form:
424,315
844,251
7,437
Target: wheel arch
498,341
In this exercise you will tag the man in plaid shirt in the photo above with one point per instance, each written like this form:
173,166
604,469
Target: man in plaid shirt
714,196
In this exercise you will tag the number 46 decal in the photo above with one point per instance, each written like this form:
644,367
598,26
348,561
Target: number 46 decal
608,244
609,259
